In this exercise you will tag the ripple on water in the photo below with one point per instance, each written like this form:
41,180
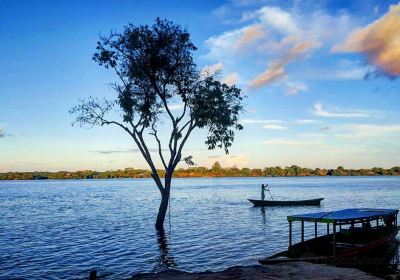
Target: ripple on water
64,229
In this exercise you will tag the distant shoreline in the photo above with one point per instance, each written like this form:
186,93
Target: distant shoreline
198,177
202,172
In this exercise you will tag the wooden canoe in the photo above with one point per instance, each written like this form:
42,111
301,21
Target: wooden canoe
306,202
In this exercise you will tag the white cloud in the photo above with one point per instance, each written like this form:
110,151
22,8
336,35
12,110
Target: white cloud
240,160
176,106
306,121
321,112
279,37
221,11
278,31
370,130
290,142
260,121
293,88
220,47
277,19
211,69
275,126
231,78
356,73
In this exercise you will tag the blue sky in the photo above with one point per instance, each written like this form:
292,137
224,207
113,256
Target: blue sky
320,80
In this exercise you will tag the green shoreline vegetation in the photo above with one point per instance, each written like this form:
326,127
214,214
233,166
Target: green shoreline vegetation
195,172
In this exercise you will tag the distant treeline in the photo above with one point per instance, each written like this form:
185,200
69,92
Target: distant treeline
215,171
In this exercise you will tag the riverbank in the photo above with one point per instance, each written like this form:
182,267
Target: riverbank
203,172
299,270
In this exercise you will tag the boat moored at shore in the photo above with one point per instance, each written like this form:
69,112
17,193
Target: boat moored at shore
354,241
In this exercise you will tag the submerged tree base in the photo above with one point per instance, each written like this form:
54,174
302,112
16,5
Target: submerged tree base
298,270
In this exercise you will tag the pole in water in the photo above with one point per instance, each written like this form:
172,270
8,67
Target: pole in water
267,187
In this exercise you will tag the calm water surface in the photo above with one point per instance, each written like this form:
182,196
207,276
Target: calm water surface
64,229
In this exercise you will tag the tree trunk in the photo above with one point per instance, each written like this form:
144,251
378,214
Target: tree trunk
162,211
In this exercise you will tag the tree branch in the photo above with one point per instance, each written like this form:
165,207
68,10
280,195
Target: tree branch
183,113
179,153
163,99
137,137
159,146
154,174
185,125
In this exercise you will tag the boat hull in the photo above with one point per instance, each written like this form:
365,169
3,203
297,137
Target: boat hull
307,202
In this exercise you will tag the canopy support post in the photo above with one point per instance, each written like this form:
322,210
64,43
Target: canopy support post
327,228
315,230
334,238
290,234
302,231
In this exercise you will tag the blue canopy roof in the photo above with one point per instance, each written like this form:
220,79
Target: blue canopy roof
344,215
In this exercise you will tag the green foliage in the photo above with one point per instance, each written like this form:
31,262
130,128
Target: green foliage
154,64
215,171
216,107
216,167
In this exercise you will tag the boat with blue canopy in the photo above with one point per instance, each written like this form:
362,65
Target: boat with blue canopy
359,237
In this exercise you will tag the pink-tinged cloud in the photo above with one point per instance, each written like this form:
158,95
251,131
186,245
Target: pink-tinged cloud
249,35
295,49
270,75
231,79
379,41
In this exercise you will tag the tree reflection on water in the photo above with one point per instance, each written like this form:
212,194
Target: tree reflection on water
165,260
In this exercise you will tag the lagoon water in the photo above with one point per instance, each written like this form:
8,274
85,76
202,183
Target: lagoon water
64,229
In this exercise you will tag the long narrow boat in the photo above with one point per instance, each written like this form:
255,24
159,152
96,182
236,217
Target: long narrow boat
309,202
353,242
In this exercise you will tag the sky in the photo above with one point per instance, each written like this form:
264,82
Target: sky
320,80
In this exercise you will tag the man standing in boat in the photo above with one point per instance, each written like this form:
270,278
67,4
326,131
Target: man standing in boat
263,188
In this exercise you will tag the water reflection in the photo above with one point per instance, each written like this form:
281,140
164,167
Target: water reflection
395,262
264,219
165,260
390,263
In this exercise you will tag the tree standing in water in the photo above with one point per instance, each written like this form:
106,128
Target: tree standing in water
155,69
